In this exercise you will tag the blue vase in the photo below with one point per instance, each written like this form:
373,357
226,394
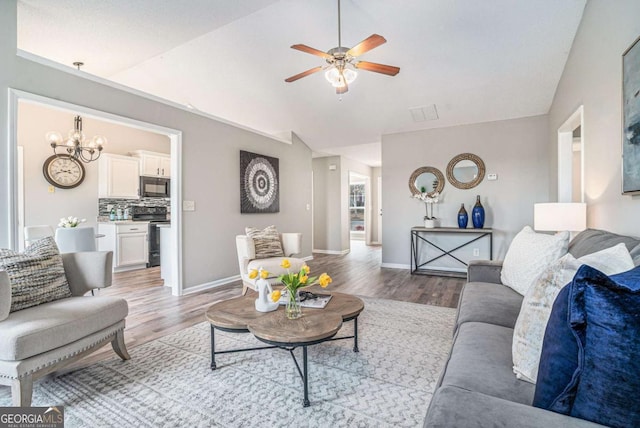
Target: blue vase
463,217
477,214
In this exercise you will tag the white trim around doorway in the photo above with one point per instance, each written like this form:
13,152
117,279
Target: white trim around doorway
175,136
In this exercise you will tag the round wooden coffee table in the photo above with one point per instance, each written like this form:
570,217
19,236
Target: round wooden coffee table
238,315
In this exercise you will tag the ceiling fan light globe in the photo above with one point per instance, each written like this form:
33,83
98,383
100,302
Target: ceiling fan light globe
349,75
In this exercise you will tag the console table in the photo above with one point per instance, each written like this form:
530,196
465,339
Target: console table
420,236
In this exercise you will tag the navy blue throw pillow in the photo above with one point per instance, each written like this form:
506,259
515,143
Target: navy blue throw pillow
555,387
604,314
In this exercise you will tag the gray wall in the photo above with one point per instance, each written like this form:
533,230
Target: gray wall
377,205
210,161
516,150
593,77
327,232
42,207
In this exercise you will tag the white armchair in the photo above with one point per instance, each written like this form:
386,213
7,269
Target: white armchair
291,244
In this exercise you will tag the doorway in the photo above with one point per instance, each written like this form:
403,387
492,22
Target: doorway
359,208
16,208
571,158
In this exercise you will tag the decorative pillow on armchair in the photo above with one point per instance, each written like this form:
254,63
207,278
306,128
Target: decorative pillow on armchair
267,242
529,255
37,275
536,307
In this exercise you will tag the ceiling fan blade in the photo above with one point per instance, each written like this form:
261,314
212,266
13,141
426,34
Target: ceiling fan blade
312,51
389,70
303,74
373,41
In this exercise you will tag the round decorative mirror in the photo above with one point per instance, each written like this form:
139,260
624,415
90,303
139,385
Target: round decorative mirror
426,179
465,171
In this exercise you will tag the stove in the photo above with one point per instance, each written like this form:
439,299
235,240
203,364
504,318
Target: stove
155,216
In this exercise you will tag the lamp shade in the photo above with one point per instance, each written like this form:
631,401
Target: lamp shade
560,216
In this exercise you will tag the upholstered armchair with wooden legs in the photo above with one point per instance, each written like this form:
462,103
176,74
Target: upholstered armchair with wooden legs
41,339
291,245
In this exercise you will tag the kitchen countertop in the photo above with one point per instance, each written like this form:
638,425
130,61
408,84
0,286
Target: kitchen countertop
123,222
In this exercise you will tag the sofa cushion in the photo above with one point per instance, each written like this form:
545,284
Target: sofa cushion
592,240
536,306
272,265
455,407
529,254
266,242
489,303
604,314
36,275
42,328
480,361
558,359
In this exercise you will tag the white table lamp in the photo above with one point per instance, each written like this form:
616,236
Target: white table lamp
560,216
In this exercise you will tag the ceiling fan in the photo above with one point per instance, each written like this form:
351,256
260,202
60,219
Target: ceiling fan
342,61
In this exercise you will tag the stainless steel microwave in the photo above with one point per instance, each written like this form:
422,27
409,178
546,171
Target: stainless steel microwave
153,187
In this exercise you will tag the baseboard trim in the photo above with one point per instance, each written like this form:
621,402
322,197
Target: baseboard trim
209,285
395,266
332,252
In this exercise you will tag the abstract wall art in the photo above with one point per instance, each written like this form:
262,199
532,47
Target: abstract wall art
259,184
631,119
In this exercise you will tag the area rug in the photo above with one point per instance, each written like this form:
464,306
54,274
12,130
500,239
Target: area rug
168,382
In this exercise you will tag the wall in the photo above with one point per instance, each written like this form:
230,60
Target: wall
327,232
516,150
593,77
42,207
210,159
376,173
331,202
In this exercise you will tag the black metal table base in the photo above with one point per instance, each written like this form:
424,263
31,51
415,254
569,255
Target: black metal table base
287,347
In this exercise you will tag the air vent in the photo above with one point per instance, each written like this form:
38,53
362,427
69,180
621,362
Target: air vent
424,113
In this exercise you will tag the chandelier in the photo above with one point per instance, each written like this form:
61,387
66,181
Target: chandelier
76,145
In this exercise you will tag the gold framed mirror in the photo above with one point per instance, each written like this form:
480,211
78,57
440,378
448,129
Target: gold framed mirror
428,178
465,171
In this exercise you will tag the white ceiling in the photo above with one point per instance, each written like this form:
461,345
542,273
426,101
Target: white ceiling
475,60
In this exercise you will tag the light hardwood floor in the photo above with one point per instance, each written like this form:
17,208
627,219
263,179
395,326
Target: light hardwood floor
154,312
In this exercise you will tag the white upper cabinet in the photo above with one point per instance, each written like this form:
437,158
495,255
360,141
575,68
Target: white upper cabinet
118,176
153,164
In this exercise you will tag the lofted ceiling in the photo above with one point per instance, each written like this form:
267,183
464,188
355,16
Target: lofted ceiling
476,61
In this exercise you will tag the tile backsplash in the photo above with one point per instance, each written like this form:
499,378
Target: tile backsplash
126,203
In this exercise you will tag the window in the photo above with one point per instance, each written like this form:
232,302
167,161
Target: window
356,207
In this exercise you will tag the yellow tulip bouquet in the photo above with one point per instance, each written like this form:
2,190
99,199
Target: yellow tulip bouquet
295,281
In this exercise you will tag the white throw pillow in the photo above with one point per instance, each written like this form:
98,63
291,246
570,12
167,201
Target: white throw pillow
528,333
529,254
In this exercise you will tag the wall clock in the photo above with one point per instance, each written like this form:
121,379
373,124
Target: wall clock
63,171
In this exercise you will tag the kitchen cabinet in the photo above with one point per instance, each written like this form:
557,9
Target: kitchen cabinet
118,176
129,243
153,164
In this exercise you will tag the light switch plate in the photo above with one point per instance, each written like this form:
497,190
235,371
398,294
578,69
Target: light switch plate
492,177
188,205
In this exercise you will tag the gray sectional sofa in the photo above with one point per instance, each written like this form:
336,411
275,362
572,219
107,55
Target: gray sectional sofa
478,387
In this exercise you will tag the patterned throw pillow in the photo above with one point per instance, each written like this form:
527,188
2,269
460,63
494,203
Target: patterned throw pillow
529,255
37,275
528,332
267,242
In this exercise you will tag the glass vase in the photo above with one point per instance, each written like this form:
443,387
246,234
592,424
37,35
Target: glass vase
293,310
477,214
